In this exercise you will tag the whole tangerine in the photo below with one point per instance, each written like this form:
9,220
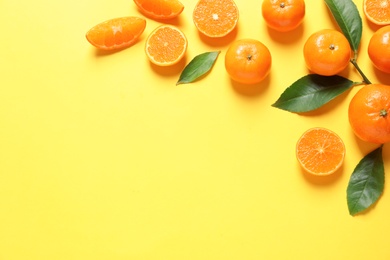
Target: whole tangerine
379,49
327,52
283,15
369,113
248,61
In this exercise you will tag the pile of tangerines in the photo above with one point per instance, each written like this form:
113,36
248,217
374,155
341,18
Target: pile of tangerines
248,61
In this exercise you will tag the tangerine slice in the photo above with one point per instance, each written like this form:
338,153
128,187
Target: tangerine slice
166,45
215,18
320,151
117,33
160,9
377,11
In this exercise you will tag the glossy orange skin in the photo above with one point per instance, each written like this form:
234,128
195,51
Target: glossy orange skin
248,61
368,113
117,33
379,49
327,52
283,15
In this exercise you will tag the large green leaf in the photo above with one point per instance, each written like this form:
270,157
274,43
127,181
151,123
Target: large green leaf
348,18
366,182
311,92
197,67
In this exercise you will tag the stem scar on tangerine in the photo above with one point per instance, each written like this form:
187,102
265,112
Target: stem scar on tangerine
383,113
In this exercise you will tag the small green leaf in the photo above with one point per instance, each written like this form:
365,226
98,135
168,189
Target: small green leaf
348,18
199,66
366,182
311,92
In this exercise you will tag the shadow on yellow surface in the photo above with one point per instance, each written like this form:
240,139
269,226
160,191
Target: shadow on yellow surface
252,89
221,41
170,70
322,180
287,38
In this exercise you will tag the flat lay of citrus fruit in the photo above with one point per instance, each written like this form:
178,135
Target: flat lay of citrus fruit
117,33
181,133
283,15
369,113
215,18
166,45
320,151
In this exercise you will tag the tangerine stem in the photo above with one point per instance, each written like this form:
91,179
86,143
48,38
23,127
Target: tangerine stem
365,79
383,113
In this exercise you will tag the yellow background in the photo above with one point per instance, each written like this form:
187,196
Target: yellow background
102,156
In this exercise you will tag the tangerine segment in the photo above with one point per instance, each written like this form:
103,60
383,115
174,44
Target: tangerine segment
283,15
377,11
379,49
369,113
327,52
160,9
215,18
166,45
117,33
320,151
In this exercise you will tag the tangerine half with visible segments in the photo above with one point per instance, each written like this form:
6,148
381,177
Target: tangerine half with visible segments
320,151
117,33
215,18
166,45
377,11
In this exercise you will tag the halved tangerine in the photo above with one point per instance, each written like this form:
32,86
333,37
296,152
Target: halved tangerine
166,45
320,151
215,18
377,11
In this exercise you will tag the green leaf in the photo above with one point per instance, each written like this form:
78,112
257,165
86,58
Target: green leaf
199,66
311,92
366,182
348,18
